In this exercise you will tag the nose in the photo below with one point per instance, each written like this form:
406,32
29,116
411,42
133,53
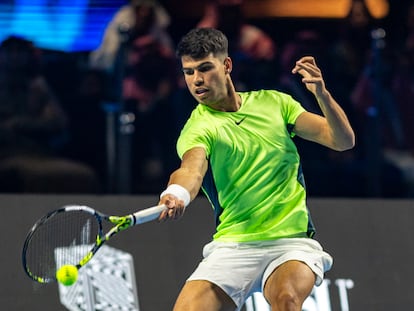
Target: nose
198,78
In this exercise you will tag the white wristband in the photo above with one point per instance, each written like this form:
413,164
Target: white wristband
178,191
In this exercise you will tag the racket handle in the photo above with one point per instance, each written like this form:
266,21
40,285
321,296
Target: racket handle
148,214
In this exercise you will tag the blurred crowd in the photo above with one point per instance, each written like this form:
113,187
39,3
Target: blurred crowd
105,121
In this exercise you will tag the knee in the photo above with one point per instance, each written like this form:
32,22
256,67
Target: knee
285,301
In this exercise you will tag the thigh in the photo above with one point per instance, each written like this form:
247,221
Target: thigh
291,280
200,295
235,268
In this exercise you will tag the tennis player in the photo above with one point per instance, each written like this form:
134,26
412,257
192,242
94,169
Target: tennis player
237,147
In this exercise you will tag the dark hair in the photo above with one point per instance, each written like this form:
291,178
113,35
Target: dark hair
200,42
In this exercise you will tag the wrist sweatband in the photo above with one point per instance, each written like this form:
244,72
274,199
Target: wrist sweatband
178,191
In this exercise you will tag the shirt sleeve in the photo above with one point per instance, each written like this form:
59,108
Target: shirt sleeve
291,110
196,133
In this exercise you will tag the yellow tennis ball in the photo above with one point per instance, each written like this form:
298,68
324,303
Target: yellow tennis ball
67,275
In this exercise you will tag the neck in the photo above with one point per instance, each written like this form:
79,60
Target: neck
231,102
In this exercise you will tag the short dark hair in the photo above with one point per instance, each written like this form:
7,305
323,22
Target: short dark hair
200,42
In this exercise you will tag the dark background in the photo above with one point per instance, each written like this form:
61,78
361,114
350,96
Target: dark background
363,171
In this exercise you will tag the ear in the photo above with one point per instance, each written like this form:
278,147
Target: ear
228,64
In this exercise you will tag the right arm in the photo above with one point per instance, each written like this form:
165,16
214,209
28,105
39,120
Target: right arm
190,177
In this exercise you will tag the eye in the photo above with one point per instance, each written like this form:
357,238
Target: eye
188,72
205,68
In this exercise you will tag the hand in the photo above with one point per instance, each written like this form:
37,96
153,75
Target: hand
175,208
312,75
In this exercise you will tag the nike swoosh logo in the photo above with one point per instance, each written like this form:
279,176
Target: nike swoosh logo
240,121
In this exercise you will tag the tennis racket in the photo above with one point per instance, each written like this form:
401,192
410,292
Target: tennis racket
72,235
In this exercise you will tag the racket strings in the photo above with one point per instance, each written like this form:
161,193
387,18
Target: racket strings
62,239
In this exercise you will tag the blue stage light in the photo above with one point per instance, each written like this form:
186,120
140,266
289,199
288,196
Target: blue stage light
61,25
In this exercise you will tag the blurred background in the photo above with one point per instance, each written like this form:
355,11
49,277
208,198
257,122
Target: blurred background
92,99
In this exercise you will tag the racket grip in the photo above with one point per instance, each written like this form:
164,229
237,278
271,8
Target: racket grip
148,214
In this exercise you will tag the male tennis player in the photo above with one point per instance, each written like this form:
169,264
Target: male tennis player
238,147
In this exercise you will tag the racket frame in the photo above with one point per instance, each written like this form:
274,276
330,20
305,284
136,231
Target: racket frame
120,223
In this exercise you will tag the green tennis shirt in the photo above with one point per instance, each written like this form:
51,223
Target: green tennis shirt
254,179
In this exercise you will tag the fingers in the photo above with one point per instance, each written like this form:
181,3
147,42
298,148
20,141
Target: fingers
311,74
306,66
175,208
307,59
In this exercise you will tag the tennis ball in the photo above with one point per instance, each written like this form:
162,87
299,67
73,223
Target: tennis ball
67,275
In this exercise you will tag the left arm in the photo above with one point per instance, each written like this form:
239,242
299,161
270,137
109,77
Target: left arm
333,129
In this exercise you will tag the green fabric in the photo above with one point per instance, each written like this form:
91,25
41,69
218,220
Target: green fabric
254,185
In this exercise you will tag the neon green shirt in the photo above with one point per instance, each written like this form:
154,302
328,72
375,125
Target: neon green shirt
254,180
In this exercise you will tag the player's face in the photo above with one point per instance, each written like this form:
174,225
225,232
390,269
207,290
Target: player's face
207,78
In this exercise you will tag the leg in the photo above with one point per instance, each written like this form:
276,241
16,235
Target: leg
203,296
289,285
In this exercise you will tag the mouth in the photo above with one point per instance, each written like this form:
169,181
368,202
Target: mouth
200,91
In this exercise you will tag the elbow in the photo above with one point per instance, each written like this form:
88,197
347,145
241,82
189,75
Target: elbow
345,147
347,143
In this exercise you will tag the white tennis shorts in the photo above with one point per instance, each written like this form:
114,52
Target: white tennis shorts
241,269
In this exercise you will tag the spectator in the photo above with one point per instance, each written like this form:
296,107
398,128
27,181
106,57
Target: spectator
33,128
350,51
124,20
137,44
251,48
378,118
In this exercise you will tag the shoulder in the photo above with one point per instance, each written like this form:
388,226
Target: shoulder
123,15
199,122
198,131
